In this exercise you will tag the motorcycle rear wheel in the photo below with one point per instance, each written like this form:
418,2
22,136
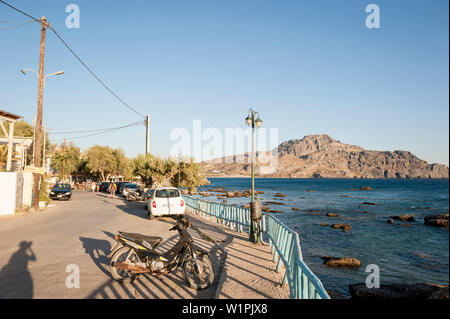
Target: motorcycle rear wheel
192,276
121,255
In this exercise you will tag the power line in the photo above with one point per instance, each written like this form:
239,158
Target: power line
100,133
16,26
14,8
77,57
92,73
97,130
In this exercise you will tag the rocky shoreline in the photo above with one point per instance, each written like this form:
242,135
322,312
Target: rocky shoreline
279,200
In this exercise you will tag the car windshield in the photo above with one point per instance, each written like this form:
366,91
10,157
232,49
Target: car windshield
62,186
165,193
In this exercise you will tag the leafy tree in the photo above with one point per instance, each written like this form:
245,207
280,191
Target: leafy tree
70,157
100,160
155,170
188,175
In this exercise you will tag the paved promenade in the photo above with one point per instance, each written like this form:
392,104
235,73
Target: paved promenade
81,232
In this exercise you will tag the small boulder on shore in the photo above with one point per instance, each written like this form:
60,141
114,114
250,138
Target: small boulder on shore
437,220
346,262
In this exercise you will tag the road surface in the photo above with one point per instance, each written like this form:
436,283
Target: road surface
81,232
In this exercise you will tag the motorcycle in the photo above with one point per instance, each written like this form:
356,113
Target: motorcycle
135,195
134,254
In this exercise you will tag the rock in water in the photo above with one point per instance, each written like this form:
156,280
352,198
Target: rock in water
346,262
398,291
343,226
390,221
366,188
332,215
437,220
404,217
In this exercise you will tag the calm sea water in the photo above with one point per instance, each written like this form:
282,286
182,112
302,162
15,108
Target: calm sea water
418,253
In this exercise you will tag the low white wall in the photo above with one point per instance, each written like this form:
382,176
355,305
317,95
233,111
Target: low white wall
8,182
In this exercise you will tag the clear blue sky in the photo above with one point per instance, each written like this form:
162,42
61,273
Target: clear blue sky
309,67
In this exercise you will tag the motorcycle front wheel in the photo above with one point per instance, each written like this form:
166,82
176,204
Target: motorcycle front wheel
127,256
201,277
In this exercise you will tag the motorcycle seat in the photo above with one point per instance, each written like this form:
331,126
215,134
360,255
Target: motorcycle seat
152,240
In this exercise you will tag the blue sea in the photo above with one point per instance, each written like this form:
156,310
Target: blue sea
418,253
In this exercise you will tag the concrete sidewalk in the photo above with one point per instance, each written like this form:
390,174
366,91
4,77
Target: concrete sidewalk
248,270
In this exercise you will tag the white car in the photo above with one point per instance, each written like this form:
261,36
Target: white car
164,201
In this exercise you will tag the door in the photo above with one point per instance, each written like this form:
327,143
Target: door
176,204
160,203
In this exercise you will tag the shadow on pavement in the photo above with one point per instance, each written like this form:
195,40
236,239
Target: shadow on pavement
98,249
15,278
171,286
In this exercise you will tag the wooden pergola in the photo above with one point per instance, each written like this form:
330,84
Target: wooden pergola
11,118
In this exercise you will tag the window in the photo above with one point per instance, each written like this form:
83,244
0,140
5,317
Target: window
166,193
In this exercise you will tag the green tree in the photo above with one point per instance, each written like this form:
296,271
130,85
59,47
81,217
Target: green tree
188,175
155,170
70,157
100,159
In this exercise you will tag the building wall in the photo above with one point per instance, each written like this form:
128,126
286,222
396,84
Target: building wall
8,181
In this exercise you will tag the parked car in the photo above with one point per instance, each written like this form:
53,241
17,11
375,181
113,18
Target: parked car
127,187
61,191
164,201
120,187
104,186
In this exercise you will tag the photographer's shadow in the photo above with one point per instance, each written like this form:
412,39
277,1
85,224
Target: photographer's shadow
98,250
15,278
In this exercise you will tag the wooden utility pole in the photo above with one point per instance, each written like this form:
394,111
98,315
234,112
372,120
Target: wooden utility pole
64,160
147,135
38,124
44,162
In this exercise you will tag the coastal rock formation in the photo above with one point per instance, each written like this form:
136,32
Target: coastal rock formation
399,291
404,218
346,262
321,156
437,220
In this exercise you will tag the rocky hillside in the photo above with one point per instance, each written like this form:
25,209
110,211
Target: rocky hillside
322,156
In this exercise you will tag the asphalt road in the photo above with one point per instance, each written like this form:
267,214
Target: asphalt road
81,232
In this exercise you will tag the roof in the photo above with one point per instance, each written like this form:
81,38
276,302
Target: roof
9,116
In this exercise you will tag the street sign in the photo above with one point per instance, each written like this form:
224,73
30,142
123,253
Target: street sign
36,170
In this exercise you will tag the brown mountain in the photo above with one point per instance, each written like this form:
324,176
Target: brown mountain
322,156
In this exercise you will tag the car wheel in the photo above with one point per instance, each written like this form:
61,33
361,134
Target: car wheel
146,207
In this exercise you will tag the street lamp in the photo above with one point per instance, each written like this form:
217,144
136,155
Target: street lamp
255,206
24,72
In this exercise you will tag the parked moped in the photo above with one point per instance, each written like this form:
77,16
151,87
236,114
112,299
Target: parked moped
134,254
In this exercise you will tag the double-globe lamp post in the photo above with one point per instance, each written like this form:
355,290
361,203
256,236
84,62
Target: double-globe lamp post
253,120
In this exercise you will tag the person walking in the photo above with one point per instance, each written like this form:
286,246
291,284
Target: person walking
112,189
93,187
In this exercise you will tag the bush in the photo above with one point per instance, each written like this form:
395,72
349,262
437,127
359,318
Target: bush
43,194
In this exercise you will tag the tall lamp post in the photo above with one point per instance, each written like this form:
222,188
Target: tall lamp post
253,120
38,125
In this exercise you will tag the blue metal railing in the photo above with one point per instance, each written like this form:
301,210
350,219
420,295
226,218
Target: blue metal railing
284,242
